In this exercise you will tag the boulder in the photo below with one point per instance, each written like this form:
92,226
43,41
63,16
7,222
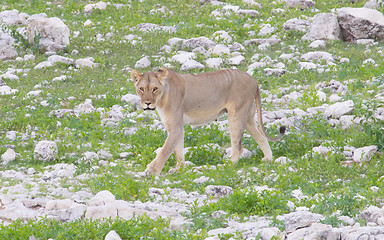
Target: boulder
86,62
325,26
45,151
360,23
315,231
112,235
132,99
50,33
5,90
317,57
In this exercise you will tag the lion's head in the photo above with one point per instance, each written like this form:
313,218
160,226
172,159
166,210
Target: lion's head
149,87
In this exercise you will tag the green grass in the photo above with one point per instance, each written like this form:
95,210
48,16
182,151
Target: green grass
328,184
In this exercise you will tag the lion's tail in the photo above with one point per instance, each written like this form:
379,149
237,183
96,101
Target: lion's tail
260,119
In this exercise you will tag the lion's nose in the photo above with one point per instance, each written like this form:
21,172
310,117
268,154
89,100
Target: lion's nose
147,103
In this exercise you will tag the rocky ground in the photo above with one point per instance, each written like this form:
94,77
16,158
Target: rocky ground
37,179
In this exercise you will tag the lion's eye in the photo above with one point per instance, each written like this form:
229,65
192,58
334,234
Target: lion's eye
141,89
155,89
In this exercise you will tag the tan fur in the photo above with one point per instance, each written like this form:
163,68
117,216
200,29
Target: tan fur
198,99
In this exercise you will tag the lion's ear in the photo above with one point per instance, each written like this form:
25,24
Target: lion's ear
162,74
135,76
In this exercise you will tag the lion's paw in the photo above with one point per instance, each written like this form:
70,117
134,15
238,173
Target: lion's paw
151,171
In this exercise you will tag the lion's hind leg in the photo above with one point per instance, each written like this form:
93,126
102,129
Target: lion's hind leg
253,130
236,130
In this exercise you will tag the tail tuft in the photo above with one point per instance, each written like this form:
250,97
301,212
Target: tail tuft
282,129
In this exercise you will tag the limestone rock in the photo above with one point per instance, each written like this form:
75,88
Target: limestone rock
317,57
53,34
86,62
315,231
7,51
364,154
296,220
338,109
112,235
218,191
361,23
132,99
89,7
193,43
297,25
5,90
13,17
143,63
8,156
303,4
325,26
191,65
45,151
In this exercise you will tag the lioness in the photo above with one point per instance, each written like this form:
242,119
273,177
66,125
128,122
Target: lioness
198,99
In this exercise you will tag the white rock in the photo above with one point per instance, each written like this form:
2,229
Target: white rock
318,56
61,78
45,151
237,60
193,43
248,12
53,33
307,66
338,109
269,233
182,57
344,60
86,62
296,24
218,191
59,204
302,3
191,65
8,156
322,96
321,150
315,231
246,153
317,44
296,220
213,62
87,23
219,50
132,99
7,50
89,156
89,7
85,107
5,90
60,59
222,37
143,63
101,197
202,180
29,57
12,18
325,26
43,64
266,29
112,235
364,154
334,98
283,160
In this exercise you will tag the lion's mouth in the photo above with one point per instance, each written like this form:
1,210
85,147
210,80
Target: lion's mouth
149,109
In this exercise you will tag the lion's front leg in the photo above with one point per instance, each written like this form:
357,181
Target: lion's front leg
175,136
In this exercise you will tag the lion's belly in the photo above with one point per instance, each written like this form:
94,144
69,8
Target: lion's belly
201,117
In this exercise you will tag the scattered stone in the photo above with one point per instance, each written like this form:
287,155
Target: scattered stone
143,63
132,99
8,156
297,220
193,43
46,151
218,191
364,154
317,44
360,23
325,26
13,18
213,62
191,65
7,50
53,33
182,57
86,62
338,109
86,107
303,4
112,235
297,25
88,9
